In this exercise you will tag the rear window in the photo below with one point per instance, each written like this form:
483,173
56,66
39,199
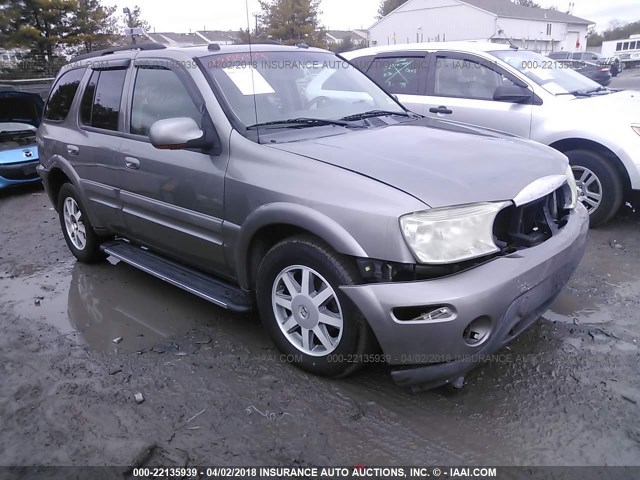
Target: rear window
62,95
399,75
100,107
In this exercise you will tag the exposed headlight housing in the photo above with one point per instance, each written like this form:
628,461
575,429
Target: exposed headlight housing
572,202
636,128
452,234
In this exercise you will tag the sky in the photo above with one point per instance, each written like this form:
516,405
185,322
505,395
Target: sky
336,14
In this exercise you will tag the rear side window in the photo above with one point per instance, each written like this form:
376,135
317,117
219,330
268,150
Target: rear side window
399,75
100,106
62,95
159,94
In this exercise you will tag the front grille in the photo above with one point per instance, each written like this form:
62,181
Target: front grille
536,222
20,171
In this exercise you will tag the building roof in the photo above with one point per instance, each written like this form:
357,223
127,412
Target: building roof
343,34
506,8
218,35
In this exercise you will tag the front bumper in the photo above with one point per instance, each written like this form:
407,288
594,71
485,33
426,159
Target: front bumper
19,173
512,291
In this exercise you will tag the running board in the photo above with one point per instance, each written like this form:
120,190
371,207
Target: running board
204,286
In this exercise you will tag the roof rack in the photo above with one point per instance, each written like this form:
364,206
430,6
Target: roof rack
108,51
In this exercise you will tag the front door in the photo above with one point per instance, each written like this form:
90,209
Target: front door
460,87
172,199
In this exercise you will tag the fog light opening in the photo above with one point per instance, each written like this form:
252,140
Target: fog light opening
477,331
424,313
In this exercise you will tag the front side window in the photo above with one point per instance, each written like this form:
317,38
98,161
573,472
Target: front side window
62,95
158,94
283,86
556,78
466,78
100,106
398,75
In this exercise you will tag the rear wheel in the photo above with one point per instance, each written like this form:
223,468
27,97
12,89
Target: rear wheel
306,314
81,239
600,187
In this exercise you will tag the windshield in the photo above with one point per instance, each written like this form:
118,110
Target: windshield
555,77
271,87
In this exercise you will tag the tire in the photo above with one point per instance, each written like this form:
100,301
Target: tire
346,346
607,183
85,247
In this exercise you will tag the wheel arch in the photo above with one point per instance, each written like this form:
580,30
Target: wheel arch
568,144
272,223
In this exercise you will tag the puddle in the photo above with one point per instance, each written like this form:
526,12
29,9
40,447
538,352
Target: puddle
104,302
569,306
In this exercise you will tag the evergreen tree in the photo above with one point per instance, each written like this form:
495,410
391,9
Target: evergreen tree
292,21
388,6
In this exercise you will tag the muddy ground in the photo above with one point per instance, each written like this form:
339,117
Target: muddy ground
215,391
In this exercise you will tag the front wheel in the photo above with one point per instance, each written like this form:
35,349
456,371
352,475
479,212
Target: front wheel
600,187
306,314
81,239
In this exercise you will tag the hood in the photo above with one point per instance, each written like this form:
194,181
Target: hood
439,162
619,106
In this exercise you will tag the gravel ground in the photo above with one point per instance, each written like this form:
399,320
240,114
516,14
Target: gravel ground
567,392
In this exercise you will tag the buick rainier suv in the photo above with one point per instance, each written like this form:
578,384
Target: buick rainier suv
283,179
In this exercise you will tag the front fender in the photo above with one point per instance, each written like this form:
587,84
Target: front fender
282,213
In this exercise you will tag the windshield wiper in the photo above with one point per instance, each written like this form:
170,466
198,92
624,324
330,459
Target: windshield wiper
576,93
372,113
299,123
599,89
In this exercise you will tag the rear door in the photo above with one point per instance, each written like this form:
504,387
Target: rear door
93,147
460,87
402,74
172,199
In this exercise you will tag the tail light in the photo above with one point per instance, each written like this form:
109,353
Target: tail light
604,69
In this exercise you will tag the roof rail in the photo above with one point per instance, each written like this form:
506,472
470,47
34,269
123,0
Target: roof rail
108,51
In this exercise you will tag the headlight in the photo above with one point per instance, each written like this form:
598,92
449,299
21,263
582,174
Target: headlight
452,234
571,182
636,129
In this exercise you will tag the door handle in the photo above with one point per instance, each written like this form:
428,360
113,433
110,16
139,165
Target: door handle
73,150
131,163
441,109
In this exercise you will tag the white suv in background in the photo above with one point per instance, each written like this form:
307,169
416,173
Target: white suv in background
526,94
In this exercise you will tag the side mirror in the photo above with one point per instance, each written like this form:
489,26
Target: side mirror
177,133
513,94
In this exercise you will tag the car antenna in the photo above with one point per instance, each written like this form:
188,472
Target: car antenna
511,44
253,84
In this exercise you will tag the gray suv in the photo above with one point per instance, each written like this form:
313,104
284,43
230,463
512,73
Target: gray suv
283,178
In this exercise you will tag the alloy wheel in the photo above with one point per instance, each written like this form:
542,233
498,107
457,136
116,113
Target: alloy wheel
589,188
74,224
307,310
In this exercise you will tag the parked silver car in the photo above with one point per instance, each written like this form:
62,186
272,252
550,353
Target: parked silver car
526,94
362,232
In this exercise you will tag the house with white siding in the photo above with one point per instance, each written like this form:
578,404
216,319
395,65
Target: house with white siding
499,21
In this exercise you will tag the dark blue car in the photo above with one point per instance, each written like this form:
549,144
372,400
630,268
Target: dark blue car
20,115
